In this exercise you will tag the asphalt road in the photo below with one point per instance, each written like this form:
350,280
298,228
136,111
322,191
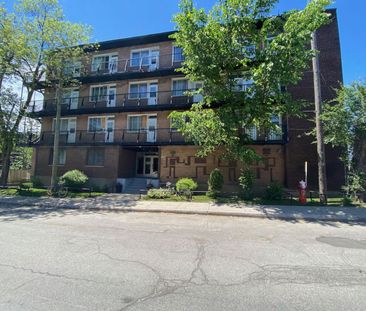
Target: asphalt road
114,261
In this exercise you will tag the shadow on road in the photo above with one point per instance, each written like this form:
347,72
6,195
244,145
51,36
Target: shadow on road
29,209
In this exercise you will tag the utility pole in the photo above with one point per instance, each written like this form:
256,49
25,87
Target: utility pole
56,141
319,124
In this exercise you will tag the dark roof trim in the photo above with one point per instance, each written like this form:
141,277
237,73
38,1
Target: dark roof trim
139,40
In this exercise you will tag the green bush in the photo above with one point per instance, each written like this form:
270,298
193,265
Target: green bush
26,185
274,191
215,182
74,179
36,181
159,193
185,184
246,181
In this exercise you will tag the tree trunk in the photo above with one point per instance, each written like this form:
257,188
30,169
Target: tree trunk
322,176
6,163
56,141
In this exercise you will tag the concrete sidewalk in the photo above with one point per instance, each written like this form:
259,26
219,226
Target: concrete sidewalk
131,203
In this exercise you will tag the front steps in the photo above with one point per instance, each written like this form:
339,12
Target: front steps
134,185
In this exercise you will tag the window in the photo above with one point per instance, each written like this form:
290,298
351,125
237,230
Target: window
70,96
134,123
242,85
99,93
61,157
251,132
179,87
96,124
95,157
138,90
275,134
65,125
140,58
72,69
249,51
100,63
178,54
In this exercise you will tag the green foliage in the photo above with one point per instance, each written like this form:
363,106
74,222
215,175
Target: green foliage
215,182
23,158
356,184
215,48
37,182
160,193
26,185
184,184
344,122
274,191
74,179
246,182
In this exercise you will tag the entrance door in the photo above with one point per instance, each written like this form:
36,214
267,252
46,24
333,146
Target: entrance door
154,60
148,166
71,128
153,93
151,129
74,100
109,135
113,64
111,102
197,97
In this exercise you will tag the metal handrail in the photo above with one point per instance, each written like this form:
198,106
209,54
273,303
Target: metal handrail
119,100
121,65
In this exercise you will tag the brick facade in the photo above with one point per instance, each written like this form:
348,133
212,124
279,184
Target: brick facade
283,162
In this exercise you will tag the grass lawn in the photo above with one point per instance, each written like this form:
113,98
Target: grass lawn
40,192
333,201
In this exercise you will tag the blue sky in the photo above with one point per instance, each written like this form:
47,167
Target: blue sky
113,19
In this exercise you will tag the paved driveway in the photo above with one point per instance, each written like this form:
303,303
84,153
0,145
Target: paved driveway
83,260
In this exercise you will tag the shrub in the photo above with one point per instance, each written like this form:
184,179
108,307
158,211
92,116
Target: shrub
36,181
215,182
185,184
74,179
25,185
274,191
246,181
159,193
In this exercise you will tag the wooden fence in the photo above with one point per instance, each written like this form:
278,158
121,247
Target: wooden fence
16,176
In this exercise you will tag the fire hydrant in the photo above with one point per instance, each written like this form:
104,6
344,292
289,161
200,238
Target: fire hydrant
302,192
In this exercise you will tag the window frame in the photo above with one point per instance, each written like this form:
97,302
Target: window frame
109,55
176,80
174,54
89,150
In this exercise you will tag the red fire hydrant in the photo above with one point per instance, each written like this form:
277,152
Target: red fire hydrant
302,192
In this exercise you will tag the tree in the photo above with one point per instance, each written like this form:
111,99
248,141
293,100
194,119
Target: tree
344,121
48,40
239,39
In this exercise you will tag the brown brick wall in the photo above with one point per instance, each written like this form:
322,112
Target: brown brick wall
300,147
181,161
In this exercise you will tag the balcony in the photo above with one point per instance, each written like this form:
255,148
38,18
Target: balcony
142,137
124,137
148,101
112,65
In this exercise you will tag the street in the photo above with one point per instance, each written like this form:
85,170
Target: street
90,260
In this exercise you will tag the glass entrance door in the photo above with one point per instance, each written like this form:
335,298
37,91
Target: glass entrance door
148,166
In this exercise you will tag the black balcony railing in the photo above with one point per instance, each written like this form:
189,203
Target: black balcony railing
161,136
174,99
114,65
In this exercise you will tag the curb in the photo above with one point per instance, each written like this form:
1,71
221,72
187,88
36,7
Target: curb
313,218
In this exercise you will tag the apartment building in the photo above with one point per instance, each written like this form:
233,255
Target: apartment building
115,126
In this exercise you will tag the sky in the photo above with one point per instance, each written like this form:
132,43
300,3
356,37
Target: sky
114,19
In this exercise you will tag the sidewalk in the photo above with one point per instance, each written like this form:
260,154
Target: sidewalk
131,203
